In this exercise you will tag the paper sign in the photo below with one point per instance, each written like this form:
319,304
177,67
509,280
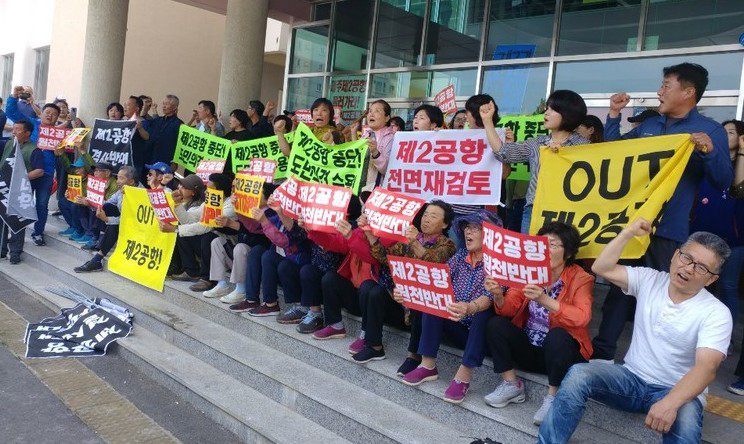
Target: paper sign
306,116
323,205
287,197
193,145
212,207
514,259
263,168
96,191
247,194
76,136
208,167
163,210
51,136
389,214
267,148
445,100
111,142
74,187
425,286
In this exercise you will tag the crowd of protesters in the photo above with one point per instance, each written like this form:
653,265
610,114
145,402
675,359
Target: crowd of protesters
681,332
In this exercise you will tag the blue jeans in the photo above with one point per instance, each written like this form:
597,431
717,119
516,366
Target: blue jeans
276,270
619,388
312,290
728,284
42,187
253,273
526,218
472,339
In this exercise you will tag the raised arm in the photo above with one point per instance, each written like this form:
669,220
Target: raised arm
280,130
606,264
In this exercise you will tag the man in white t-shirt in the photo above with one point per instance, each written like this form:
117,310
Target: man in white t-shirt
681,333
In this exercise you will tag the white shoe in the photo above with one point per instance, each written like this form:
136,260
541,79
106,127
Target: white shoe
218,291
602,361
233,298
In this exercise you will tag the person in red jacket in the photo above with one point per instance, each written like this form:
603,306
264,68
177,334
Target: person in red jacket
538,329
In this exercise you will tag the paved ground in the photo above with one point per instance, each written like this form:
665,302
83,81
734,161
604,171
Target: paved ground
30,412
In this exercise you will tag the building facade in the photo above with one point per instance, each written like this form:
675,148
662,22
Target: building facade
518,51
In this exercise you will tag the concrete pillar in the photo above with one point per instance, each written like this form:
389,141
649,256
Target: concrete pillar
242,54
103,59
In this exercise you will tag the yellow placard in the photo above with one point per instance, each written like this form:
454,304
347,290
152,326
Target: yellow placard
76,136
74,187
212,207
247,195
602,187
143,252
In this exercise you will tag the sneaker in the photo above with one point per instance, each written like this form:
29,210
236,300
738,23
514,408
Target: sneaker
38,239
233,298
244,306
421,374
15,260
505,393
602,361
369,354
292,314
330,333
91,265
76,235
408,366
92,245
264,310
543,410
356,346
737,387
84,239
68,232
218,292
183,277
311,323
202,285
456,391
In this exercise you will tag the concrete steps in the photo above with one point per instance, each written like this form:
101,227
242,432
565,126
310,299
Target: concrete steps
317,379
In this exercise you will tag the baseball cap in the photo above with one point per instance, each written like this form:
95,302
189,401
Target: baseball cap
193,182
161,167
79,163
640,117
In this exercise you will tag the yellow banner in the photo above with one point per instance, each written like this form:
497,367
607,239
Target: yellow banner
143,252
247,195
212,207
602,187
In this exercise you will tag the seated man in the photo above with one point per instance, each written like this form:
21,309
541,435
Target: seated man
680,337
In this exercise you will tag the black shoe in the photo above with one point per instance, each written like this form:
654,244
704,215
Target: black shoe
15,260
310,324
38,240
408,366
91,265
369,354
202,285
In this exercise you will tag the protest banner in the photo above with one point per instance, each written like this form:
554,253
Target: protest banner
445,100
348,93
599,188
193,145
247,194
207,167
163,209
50,137
212,207
389,214
323,205
76,136
306,116
524,127
456,166
287,197
242,153
263,168
95,191
112,142
74,187
514,259
342,165
143,252
425,286
11,170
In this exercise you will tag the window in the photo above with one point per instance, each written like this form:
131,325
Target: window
400,24
517,89
303,91
454,32
422,84
351,34
644,75
309,50
519,29
596,27
683,23
322,12
7,79
41,73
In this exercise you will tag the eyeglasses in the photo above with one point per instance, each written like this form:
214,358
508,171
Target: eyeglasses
698,267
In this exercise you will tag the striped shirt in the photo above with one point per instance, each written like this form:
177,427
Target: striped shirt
529,151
